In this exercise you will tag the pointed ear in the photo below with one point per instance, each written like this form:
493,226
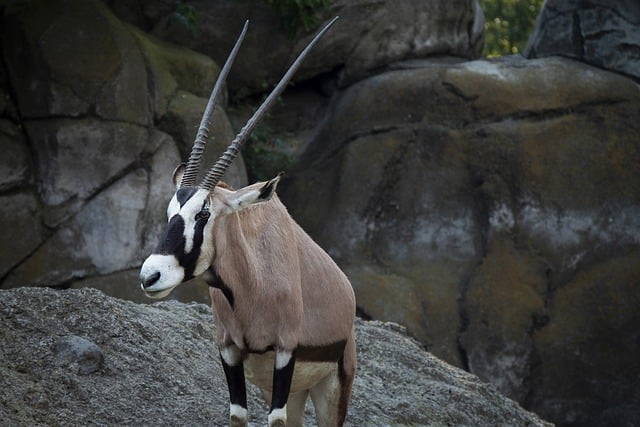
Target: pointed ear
252,194
269,188
177,174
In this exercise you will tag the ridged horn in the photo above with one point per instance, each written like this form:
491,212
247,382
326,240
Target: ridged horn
215,173
195,157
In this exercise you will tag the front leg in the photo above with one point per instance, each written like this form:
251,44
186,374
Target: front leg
234,372
282,375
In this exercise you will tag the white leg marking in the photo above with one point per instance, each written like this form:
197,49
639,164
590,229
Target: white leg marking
278,417
231,355
237,414
282,359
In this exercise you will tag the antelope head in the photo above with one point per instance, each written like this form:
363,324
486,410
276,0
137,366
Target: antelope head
186,247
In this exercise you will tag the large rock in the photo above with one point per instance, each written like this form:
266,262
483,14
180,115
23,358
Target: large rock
463,199
20,213
120,363
587,354
77,158
605,33
23,228
370,35
69,58
98,241
86,174
15,170
182,119
503,304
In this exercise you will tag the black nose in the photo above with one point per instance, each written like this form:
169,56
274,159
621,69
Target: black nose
150,280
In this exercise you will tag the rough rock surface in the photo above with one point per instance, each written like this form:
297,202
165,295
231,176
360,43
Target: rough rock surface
99,116
369,35
157,365
605,33
473,201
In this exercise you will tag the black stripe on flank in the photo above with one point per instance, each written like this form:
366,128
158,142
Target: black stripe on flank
184,194
322,353
306,353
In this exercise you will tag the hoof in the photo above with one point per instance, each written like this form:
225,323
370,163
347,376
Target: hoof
236,421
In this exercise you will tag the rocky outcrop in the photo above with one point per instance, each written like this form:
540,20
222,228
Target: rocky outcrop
370,35
120,363
103,113
605,33
490,206
474,203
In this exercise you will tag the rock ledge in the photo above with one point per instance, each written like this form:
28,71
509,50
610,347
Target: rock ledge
160,367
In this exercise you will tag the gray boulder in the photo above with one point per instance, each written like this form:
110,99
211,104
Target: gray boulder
464,199
79,354
69,58
15,170
24,229
370,35
605,33
158,365
96,241
94,117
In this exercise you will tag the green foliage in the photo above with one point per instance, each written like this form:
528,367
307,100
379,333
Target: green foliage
508,25
186,15
265,154
296,14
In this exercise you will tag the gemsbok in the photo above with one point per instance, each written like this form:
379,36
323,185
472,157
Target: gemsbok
283,309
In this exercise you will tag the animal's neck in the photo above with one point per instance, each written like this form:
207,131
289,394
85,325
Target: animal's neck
237,240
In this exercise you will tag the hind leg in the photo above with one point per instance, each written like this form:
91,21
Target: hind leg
295,408
331,396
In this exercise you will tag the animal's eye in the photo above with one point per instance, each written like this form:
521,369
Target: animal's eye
203,215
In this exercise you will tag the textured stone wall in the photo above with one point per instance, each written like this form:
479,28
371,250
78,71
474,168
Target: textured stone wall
95,117
604,33
493,208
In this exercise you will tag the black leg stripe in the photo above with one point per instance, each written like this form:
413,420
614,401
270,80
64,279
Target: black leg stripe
282,384
235,383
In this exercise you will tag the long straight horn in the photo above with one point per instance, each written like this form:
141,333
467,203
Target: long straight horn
215,173
193,164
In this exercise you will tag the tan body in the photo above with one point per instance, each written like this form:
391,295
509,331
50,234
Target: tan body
288,293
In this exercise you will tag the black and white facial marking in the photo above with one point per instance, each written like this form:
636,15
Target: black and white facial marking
183,251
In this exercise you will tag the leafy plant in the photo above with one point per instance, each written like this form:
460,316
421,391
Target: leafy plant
186,15
296,14
508,24
265,154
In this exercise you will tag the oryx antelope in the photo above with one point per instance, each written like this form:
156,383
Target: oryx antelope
284,311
